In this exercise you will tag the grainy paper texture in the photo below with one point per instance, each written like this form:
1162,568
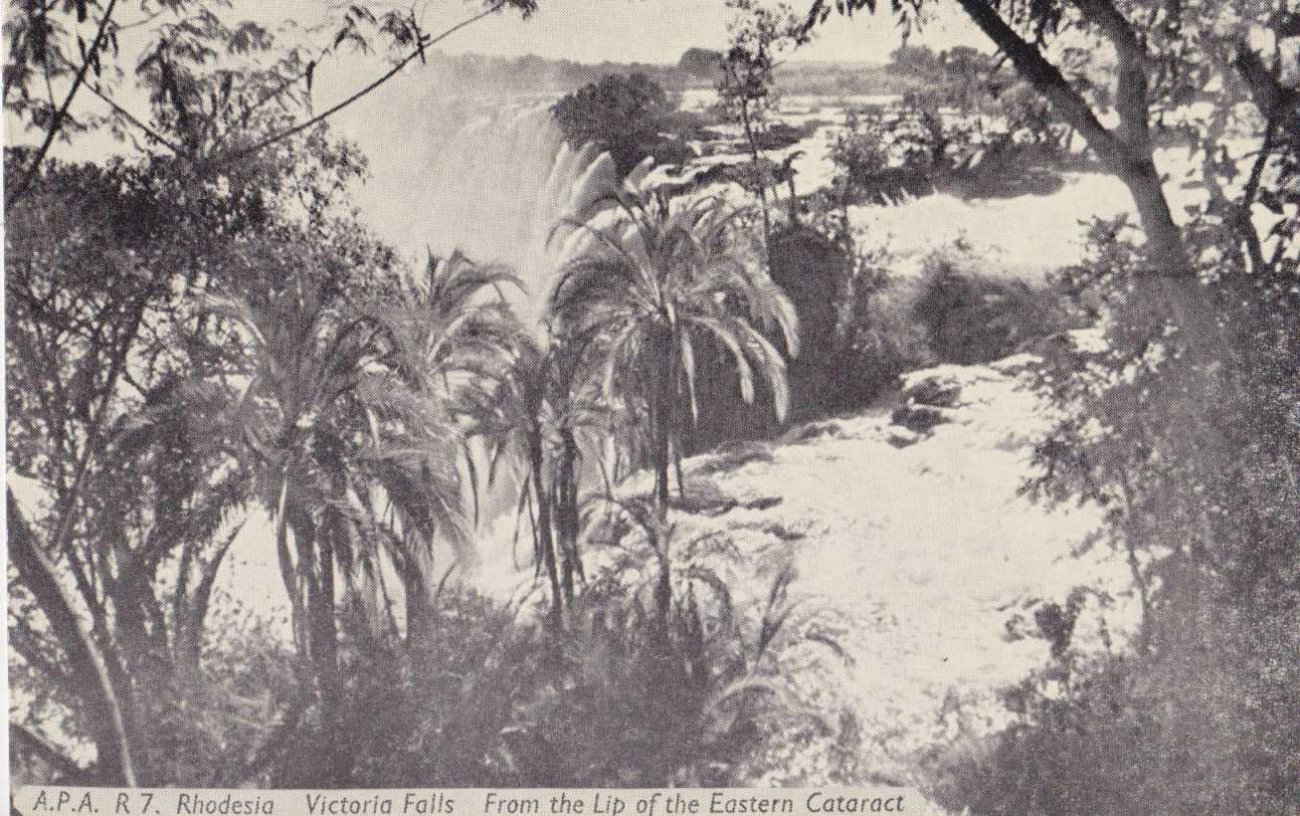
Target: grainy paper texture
594,407
428,802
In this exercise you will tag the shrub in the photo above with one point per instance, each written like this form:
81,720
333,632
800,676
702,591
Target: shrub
501,697
952,312
877,335
780,135
1193,465
1163,732
862,326
970,316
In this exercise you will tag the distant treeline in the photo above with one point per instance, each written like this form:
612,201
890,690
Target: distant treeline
847,79
697,68
478,73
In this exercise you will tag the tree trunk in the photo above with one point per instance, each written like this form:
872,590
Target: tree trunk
760,175
325,656
103,710
1171,289
567,510
289,571
663,455
319,649
545,528
1165,244
662,411
419,611
324,632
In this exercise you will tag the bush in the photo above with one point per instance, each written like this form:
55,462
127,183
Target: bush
970,316
877,336
861,327
1190,452
202,723
501,697
497,696
1164,732
951,312
780,135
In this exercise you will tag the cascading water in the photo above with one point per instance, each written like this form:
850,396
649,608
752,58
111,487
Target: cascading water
495,190
498,188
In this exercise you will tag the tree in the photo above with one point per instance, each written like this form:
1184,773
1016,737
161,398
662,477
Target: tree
350,408
547,419
124,371
622,114
653,281
917,59
452,342
112,367
701,63
747,90
209,114
1161,61
1185,439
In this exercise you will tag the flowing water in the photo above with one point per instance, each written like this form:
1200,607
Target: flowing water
493,188
922,551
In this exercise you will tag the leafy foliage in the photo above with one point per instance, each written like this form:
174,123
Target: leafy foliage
747,94
113,365
655,280
625,115
220,91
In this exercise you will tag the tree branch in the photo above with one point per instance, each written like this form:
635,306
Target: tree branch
24,183
1264,87
1131,79
1046,78
419,51
104,713
1128,158
128,116
94,433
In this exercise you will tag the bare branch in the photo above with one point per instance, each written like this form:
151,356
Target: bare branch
419,51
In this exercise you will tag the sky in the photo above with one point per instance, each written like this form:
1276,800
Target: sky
591,31
660,30
640,30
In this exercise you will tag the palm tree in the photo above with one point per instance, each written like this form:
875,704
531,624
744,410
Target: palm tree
453,339
650,283
302,416
352,408
548,420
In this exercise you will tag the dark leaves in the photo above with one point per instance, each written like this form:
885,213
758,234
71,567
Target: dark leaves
248,37
821,10
526,8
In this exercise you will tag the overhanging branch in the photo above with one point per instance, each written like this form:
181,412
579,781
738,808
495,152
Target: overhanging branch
1045,78
419,51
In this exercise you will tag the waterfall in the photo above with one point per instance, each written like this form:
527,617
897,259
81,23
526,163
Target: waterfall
498,187
494,189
